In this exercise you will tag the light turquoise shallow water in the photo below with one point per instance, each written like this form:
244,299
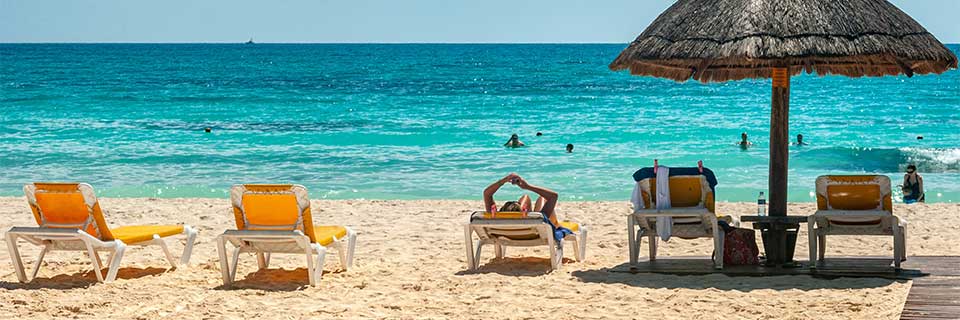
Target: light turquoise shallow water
429,121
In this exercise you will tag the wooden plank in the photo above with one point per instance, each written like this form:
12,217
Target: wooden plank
938,295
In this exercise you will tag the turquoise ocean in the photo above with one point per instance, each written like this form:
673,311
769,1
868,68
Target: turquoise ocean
426,121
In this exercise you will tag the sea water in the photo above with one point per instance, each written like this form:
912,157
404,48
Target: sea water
429,121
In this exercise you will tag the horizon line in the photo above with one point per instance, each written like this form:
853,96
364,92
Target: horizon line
244,42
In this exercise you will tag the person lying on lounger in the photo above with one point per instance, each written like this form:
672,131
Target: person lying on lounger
546,201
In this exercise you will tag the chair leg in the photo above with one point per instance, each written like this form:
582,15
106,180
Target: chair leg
166,251
498,250
896,247
476,256
261,261
266,260
351,248
36,265
115,259
236,264
311,265
633,241
14,251
653,246
224,264
812,240
717,246
582,244
821,247
188,248
95,262
556,254
318,267
468,244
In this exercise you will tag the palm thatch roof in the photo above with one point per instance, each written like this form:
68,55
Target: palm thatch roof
720,40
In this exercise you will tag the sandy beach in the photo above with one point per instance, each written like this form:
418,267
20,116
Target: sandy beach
410,265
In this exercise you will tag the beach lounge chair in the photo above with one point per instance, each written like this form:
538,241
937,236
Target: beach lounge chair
70,219
514,229
692,210
858,205
277,219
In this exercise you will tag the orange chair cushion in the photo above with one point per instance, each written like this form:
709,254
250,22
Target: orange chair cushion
271,209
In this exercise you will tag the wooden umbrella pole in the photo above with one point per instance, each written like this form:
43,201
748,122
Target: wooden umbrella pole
779,140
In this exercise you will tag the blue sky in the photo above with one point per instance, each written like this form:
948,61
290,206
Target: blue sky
613,21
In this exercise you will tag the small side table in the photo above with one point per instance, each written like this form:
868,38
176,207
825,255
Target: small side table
774,231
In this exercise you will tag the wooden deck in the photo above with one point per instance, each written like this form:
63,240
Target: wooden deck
936,296
935,293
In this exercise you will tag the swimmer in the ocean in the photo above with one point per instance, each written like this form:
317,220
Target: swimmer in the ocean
514,142
539,134
799,141
743,141
207,129
569,148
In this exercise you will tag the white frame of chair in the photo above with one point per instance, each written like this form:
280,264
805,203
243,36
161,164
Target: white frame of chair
60,239
265,242
521,227
637,224
819,226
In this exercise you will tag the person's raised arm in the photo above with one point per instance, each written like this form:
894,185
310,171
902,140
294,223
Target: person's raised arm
548,195
492,188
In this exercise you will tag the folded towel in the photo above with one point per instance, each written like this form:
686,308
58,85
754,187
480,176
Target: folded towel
664,224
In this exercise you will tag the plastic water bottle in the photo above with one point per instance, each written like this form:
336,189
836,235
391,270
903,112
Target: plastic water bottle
761,205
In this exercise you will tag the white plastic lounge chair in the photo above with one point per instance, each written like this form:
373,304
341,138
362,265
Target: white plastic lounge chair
277,219
513,229
859,205
692,212
70,219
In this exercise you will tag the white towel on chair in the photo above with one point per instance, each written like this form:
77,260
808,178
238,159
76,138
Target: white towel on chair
664,224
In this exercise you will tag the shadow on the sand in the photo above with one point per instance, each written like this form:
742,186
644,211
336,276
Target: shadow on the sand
665,279
274,280
518,266
79,279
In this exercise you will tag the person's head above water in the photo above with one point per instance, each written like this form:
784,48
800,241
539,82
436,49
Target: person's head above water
799,138
569,148
743,137
539,133
514,141
911,168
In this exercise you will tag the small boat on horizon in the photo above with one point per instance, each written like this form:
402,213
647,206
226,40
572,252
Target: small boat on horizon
249,41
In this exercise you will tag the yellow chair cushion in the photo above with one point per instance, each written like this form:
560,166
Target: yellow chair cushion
271,209
854,197
135,234
573,226
324,235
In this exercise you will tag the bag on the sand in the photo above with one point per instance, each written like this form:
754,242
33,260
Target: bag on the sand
740,247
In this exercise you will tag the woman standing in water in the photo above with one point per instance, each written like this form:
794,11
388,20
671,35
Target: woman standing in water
912,186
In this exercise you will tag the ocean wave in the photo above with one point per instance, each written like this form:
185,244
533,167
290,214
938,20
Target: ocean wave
929,160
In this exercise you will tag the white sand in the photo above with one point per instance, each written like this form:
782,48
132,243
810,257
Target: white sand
410,264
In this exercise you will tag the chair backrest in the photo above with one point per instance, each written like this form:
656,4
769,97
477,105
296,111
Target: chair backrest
687,191
272,207
854,193
67,206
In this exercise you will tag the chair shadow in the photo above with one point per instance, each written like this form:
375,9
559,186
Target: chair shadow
275,280
80,279
516,266
665,279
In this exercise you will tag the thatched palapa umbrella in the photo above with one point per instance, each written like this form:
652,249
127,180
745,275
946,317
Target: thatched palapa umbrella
720,40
